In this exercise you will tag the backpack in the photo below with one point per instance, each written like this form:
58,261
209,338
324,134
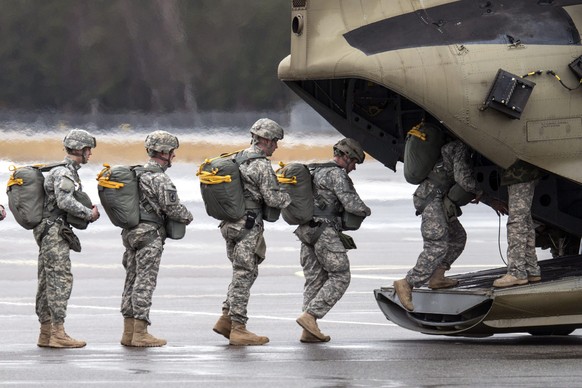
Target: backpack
422,150
221,186
25,190
295,179
119,194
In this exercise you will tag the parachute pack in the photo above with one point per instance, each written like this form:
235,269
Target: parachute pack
295,179
421,151
119,194
221,186
25,190
118,188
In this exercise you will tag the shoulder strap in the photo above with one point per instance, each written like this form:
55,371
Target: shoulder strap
313,166
240,158
48,167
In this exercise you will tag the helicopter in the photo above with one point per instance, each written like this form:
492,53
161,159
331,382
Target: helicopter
505,78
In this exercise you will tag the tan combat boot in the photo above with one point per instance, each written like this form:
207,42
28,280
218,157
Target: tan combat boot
309,323
141,338
45,334
224,324
127,331
404,293
308,338
509,280
240,336
60,339
438,280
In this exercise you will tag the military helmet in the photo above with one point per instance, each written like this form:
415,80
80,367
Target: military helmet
161,141
78,139
267,129
351,148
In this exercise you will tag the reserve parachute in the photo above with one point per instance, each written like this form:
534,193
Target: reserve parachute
221,186
421,151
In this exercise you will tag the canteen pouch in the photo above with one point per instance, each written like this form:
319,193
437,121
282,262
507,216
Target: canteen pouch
309,233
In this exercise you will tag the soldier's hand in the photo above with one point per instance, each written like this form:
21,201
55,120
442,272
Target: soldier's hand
94,213
2,213
499,207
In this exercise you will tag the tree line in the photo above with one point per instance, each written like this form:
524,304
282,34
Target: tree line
143,55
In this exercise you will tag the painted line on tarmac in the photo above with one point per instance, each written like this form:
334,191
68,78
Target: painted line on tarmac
201,313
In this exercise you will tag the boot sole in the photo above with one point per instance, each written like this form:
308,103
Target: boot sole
147,346
245,344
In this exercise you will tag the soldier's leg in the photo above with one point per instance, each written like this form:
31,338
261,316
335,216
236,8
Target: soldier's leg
147,261
457,241
434,229
59,279
314,273
332,257
129,263
518,227
42,309
245,268
531,259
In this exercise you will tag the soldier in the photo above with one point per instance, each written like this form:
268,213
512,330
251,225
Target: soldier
245,244
144,243
443,235
521,179
323,255
55,238
2,213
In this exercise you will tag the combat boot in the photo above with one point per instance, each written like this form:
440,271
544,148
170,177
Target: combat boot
60,339
438,280
142,339
45,334
509,280
309,323
224,324
308,338
127,331
240,336
404,292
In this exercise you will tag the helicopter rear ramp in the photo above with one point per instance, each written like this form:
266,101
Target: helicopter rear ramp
475,308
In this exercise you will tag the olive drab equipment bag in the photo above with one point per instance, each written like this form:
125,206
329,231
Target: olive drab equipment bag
295,179
422,150
221,186
119,194
25,190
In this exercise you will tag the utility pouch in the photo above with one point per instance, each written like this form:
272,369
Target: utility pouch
174,229
452,211
67,234
250,221
270,214
347,241
351,221
309,234
74,221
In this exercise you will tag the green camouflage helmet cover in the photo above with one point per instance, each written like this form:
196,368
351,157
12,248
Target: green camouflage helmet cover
351,148
78,139
161,141
267,129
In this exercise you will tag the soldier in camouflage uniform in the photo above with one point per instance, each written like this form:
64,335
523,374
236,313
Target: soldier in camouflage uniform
521,179
55,238
2,213
245,245
144,243
443,235
325,263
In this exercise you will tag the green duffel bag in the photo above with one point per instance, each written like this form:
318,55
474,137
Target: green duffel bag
422,150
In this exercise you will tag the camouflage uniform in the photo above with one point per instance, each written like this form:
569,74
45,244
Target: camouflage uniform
2,212
325,263
246,248
521,179
443,235
55,280
144,243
